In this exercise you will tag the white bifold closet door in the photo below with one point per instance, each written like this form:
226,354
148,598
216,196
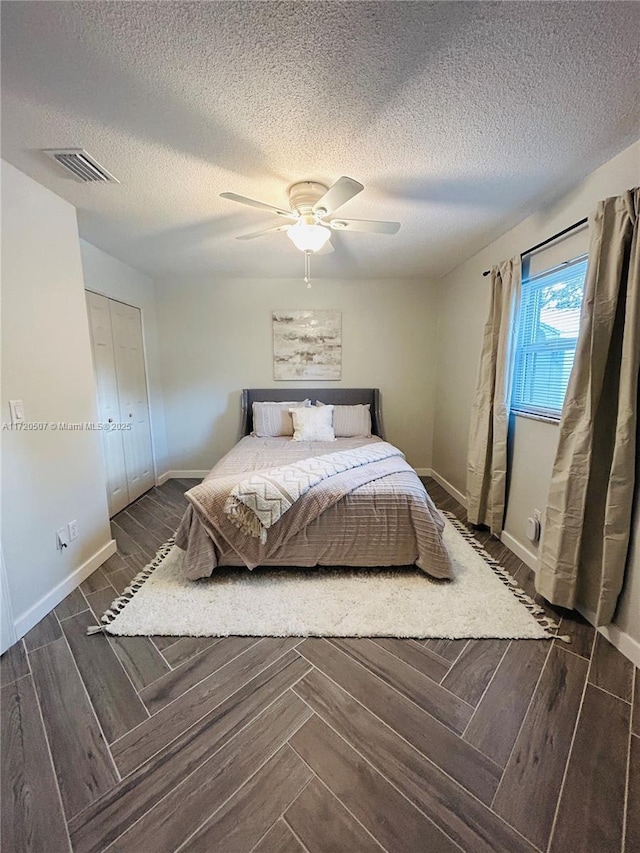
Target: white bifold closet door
116,337
126,328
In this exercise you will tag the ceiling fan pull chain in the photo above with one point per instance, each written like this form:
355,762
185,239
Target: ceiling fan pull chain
307,269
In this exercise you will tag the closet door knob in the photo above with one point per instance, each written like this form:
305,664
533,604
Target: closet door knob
130,415
110,420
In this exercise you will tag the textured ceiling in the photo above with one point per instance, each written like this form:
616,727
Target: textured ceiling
459,118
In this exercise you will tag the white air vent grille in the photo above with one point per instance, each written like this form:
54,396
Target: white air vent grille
81,165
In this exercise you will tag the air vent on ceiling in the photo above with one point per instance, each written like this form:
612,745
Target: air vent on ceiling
81,165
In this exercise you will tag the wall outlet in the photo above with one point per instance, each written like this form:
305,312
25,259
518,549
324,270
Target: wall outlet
62,538
73,530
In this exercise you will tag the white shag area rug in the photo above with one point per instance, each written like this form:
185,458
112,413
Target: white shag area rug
482,601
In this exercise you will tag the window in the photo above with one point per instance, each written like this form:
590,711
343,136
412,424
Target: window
546,338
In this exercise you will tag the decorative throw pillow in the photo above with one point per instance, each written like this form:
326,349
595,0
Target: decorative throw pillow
272,419
351,421
313,424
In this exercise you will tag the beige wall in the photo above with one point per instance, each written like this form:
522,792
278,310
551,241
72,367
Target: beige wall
217,340
463,301
48,477
107,275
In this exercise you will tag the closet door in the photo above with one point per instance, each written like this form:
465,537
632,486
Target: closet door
108,404
126,329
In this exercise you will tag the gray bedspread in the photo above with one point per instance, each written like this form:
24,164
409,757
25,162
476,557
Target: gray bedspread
383,517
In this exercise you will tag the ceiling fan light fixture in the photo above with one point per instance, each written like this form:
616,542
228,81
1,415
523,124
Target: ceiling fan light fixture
308,236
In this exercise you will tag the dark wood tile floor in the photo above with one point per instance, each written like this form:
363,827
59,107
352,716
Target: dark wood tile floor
145,745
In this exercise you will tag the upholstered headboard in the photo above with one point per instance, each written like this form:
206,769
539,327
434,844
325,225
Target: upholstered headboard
337,396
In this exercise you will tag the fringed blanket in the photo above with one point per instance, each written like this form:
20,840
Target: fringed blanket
260,500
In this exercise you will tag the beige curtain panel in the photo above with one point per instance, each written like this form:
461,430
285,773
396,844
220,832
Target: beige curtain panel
587,523
487,453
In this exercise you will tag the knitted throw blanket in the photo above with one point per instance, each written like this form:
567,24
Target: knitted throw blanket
258,502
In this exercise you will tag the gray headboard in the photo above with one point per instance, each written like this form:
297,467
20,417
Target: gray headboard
337,396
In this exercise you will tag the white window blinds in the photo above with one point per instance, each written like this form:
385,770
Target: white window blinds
548,323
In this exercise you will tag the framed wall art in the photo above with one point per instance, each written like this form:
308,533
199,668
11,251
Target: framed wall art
307,344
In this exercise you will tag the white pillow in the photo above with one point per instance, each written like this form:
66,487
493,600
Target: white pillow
351,421
313,424
272,419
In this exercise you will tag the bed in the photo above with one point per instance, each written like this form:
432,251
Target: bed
390,521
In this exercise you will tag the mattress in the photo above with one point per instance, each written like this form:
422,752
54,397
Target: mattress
388,522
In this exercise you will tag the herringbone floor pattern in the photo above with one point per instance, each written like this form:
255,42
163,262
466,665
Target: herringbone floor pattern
144,745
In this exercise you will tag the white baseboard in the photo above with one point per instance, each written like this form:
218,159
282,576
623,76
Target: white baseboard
623,642
180,475
423,472
39,610
446,485
529,558
7,627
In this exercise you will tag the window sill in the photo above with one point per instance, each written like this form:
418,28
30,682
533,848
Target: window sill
547,419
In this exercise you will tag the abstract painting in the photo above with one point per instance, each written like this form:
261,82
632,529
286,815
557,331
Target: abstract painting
307,345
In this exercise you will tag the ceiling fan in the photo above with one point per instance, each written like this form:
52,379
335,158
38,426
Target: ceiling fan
310,205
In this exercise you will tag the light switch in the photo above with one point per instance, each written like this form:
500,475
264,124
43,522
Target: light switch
17,411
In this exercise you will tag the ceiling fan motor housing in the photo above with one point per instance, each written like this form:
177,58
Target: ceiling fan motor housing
303,196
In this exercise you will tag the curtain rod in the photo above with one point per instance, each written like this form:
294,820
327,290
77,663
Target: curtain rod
549,239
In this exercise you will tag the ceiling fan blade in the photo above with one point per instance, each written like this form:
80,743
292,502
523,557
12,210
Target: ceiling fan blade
264,231
369,225
338,194
259,204
326,249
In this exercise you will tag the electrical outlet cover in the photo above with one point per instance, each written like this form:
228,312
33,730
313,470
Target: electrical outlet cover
16,408
73,529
